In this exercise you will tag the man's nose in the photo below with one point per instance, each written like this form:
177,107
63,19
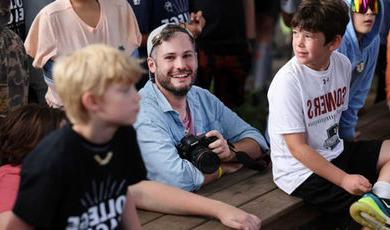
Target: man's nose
180,62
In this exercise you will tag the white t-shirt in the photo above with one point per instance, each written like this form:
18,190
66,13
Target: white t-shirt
302,100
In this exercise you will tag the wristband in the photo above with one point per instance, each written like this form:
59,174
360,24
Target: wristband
219,172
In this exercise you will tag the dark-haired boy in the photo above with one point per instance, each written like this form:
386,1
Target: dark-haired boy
306,98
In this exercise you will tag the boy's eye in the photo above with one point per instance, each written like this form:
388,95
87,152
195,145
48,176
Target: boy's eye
124,90
308,35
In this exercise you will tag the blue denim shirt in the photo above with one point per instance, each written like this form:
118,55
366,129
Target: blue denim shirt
159,130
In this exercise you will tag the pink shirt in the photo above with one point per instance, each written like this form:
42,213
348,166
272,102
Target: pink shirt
9,185
58,30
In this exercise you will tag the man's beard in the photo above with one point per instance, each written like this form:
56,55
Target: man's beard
165,82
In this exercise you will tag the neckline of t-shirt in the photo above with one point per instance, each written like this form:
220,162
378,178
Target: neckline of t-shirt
320,73
82,22
104,147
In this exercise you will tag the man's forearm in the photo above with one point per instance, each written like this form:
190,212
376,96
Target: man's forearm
249,146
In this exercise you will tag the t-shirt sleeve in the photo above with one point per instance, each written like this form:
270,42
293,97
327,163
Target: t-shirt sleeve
137,171
134,33
40,42
142,11
139,166
39,192
285,105
9,183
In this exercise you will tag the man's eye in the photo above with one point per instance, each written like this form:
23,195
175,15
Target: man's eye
169,57
188,56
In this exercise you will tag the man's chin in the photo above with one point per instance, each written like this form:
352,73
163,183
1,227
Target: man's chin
180,91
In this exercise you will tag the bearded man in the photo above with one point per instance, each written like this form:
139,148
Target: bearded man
172,108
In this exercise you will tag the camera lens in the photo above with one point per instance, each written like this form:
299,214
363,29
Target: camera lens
207,161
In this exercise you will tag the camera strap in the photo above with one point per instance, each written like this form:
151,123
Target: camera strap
242,157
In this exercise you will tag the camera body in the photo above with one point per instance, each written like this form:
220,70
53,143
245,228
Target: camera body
195,149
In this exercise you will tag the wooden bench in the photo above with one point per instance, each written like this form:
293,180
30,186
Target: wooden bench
374,123
256,193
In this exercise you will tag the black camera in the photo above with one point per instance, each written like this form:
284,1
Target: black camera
195,149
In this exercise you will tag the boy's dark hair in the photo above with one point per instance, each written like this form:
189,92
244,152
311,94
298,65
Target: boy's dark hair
327,16
23,128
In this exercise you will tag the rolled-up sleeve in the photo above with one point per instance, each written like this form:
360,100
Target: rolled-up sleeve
161,158
235,128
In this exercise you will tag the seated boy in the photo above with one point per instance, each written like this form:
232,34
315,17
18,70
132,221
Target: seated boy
361,45
78,176
306,98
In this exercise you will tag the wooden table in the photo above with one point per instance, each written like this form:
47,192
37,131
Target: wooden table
249,190
256,193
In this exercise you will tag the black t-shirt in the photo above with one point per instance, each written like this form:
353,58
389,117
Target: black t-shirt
64,186
17,21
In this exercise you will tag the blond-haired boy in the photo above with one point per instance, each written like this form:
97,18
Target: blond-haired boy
78,176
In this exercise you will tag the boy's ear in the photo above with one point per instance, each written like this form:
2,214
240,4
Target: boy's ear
90,102
335,43
151,65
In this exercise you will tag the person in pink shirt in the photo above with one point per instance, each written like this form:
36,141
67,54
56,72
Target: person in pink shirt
16,142
64,26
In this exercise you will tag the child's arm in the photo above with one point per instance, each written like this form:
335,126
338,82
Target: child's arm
162,198
130,219
16,223
352,183
195,26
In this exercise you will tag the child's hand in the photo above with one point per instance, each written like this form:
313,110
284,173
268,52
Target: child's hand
355,184
233,217
197,23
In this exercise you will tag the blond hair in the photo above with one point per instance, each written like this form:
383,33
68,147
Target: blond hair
91,69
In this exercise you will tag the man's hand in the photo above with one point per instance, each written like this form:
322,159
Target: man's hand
197,23
355,184
220,146
238,219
